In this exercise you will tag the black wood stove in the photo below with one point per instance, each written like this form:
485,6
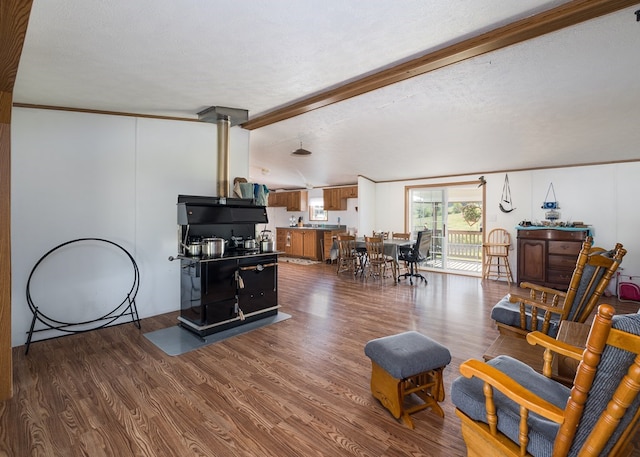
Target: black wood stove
235,287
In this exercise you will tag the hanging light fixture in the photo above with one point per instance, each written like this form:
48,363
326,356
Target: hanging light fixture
301,152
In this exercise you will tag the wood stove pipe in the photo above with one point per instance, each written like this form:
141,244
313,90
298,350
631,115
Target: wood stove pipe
224,125
225,118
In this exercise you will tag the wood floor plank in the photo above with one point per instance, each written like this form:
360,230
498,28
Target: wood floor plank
296,388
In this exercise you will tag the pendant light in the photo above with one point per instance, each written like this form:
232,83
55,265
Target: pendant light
301,152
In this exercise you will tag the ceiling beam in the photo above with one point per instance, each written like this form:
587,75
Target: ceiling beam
566,15
14,18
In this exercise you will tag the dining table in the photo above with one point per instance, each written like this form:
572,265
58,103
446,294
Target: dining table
391,249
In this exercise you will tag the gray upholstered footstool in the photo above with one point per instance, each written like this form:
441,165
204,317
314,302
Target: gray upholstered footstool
404,364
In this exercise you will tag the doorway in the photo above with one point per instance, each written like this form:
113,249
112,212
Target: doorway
454,214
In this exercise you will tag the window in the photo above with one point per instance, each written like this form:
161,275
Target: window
317,213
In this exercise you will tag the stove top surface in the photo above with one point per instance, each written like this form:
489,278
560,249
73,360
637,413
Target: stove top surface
229,253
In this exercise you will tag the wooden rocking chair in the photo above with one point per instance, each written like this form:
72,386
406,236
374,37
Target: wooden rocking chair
545,308
507,409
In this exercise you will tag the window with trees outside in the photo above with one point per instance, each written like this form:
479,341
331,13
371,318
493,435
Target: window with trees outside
453,213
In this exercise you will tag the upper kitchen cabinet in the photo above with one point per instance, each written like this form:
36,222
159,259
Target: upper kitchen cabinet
297,200
293,200
277,199
349,192
335,198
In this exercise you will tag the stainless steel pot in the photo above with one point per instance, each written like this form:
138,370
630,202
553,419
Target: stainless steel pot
193,249
213,247
267,246
250,244
266,242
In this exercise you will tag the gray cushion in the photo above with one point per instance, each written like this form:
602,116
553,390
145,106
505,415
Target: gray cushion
468,397
587,275
508,313
407,354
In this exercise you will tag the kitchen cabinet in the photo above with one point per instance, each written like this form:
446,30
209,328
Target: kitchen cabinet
304,243
328,237
297,200
349,192
311,245
277,199
335,198
299,242
283,240
292,200
548,256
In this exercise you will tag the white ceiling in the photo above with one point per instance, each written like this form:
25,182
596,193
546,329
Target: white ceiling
569,97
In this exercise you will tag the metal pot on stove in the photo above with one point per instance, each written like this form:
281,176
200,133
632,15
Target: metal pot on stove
194,248
213,247
250,244
266,242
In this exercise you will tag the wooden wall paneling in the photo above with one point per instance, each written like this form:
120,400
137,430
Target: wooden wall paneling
6,369
565,15
14,18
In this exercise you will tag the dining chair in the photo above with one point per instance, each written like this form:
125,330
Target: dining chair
383,235
377,261
401,236
347,258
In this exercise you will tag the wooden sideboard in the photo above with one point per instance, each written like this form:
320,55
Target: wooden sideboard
548,256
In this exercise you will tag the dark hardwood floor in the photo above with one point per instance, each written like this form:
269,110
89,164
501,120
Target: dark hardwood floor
296,388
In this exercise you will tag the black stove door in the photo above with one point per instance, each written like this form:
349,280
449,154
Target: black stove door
260,281
219,290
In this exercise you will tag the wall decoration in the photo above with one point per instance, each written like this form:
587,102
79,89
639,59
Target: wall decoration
471,213
507,207
552,205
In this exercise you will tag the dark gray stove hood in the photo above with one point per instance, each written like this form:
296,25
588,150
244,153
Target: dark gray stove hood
193,210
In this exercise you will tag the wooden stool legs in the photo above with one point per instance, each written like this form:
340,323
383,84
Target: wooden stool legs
391,392
500,268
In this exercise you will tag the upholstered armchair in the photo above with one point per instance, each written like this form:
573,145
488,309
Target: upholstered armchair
545,308
508,409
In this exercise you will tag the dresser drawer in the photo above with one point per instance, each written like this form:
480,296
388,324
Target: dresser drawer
564,248
559,277
551,234
561,262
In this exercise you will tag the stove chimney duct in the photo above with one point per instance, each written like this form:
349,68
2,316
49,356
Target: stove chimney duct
224,125
225,118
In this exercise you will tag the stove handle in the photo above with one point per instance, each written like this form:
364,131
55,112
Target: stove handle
259,267
239,280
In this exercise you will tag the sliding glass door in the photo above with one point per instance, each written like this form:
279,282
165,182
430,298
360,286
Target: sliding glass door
453,213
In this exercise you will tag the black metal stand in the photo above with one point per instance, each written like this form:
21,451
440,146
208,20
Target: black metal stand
126,308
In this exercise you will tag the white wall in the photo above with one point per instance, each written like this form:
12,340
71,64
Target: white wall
367,206
602,196
77,175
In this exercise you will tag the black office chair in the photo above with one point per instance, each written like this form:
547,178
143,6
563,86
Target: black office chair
415,254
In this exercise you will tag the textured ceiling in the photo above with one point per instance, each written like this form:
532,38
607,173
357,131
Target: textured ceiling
568,97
